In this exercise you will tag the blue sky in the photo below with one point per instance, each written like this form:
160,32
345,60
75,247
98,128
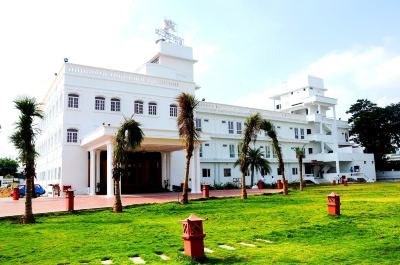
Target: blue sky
246,49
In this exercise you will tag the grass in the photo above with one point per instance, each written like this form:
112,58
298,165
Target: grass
367,232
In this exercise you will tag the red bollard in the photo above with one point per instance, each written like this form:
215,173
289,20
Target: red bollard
345,182
333,182
193,237
279,184
70,200
206,191
295,185
15,194
260,184
334,204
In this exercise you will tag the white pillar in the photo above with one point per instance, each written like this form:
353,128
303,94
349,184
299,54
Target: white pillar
163,168
195,171
110,186
335,140
97,177
168,169
92,188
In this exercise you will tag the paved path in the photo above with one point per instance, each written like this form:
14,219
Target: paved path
8,207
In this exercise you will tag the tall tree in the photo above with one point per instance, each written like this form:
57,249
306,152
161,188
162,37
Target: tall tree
256,163
128,139
376,129
8,166
300,151
267,127
24,141
251,128
187,131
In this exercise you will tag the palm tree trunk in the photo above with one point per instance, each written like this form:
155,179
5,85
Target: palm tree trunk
282,169
243,195
117,208
252,176
301,172
28,217
185,198
33,188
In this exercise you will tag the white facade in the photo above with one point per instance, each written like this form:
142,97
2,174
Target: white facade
85,105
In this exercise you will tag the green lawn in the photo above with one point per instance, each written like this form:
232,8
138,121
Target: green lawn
367,232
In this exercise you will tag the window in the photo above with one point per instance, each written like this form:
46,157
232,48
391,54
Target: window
231,150
206,173
227,172
238,127
72,135
273,153
73,101
267,151
99,103
138,107
294,171
201,150
173,110
152,108
308,131
230,127
278,171
115,104
346,137
356,168
296,133
301,133
310,150
198,124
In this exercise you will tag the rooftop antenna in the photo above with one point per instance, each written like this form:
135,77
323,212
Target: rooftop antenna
166,33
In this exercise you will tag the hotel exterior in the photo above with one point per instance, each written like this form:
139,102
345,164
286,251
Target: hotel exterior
85,106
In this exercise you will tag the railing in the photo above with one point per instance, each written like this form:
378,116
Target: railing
223,108
121,76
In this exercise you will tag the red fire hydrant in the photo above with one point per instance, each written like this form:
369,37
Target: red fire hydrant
334,204
206,191
15,194
70,200
279,184
193,236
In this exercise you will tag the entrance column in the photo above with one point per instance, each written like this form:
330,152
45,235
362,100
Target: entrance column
92,188
110,186
97,177
195,171
163,169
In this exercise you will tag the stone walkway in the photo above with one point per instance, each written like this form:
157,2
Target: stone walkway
9,208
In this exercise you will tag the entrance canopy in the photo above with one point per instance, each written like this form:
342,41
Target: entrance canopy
155,140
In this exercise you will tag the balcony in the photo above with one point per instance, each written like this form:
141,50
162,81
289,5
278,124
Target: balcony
320,138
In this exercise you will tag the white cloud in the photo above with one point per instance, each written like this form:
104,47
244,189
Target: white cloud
360,72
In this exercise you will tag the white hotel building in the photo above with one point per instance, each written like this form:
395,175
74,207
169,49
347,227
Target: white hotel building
85,105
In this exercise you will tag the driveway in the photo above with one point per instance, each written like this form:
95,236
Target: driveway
9,207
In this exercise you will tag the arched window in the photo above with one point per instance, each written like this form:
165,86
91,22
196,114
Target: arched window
152,108
138,107
72,135
173,110
73,101
99,103
115,104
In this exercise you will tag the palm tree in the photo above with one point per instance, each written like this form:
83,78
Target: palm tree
187,131
255,162
129,137
251,128
300,155
24,141
267,126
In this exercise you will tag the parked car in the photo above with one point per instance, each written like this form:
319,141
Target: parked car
38,190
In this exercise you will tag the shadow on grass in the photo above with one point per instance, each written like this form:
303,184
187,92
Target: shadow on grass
212,260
